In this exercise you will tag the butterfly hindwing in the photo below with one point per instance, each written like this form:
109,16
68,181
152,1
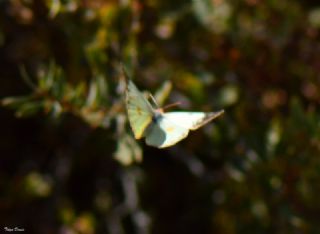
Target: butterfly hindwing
163,133
139,110
191,120
170,128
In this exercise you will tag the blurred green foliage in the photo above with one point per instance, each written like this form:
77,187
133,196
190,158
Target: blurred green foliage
69,163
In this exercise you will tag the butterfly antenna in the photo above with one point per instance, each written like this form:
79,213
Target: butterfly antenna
124,72
154,100
171,105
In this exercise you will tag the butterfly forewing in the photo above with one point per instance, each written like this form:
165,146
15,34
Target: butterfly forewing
191,120
139,110
164,133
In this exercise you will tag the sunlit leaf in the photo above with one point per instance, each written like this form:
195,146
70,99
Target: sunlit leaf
128,151
214,15
273,135
15,102
29,108
98,92
38,185
54,7
229,95
163,93
190,84
314,17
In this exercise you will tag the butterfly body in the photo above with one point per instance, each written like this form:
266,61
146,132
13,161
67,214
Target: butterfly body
159,128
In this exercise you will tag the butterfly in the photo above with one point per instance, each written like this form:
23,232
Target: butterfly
161,129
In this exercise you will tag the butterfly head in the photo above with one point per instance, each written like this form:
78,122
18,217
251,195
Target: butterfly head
157,114
160,111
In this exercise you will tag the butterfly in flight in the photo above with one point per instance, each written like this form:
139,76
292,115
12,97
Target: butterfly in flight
161,129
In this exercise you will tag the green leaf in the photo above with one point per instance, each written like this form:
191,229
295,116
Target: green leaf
163,92
26,78
214,15
29,108
37,185
98,92
128,151
15,102
54,7
229,95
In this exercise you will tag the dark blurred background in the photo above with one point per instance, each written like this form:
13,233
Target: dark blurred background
68,161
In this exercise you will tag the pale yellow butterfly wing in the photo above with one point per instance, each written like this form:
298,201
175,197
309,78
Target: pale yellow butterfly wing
170,128
192,120
139,110
163,133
